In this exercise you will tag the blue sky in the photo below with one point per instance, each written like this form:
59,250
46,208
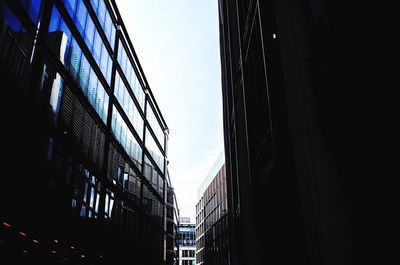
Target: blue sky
177,42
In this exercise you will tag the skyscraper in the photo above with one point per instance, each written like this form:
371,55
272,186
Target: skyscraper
86,140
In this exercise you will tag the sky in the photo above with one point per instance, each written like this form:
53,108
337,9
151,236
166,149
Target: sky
177,42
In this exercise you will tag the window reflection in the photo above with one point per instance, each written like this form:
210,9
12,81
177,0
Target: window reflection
155,125
105,20
64,44
153,176
125,137
56,95
32,7
85,25
129,71
127,103
154,150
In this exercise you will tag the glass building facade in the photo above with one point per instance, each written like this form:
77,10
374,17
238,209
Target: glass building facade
88,132
187,241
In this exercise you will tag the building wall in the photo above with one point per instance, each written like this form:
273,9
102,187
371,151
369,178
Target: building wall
186,241
172,228
212,244
87,130
295,131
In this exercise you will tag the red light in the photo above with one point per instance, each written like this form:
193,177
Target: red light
6,224
22,233
35,241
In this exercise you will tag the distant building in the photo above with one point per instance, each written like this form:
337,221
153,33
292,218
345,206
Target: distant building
212,229
85,139
186,241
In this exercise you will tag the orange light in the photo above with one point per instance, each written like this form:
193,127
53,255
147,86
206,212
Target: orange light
35,241
55,241
22,233
7,224
72,247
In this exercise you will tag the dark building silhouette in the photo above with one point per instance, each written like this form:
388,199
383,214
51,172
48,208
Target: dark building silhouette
212,227
84,141
173,222
304,137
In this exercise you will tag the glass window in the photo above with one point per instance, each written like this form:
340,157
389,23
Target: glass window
106,204
101,12
92,86
105,107
123,135
14,25
71,6
97,44
100,101
32,7
89,33
73,204
83,211
54,20
95,4
125,182
92,196
113,32
109,70
154,150
85,191
129,73
84,71
80,18
56,94
111,208
155,125
128,105
107,26
128,70
105,20
75,58
123,59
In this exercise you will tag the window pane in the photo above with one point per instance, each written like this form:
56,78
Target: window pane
122,133
106,204
75,58
89,33
95,4
54,20
84,74
97,46
81,14
71,6
32,7
101,12
56,94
